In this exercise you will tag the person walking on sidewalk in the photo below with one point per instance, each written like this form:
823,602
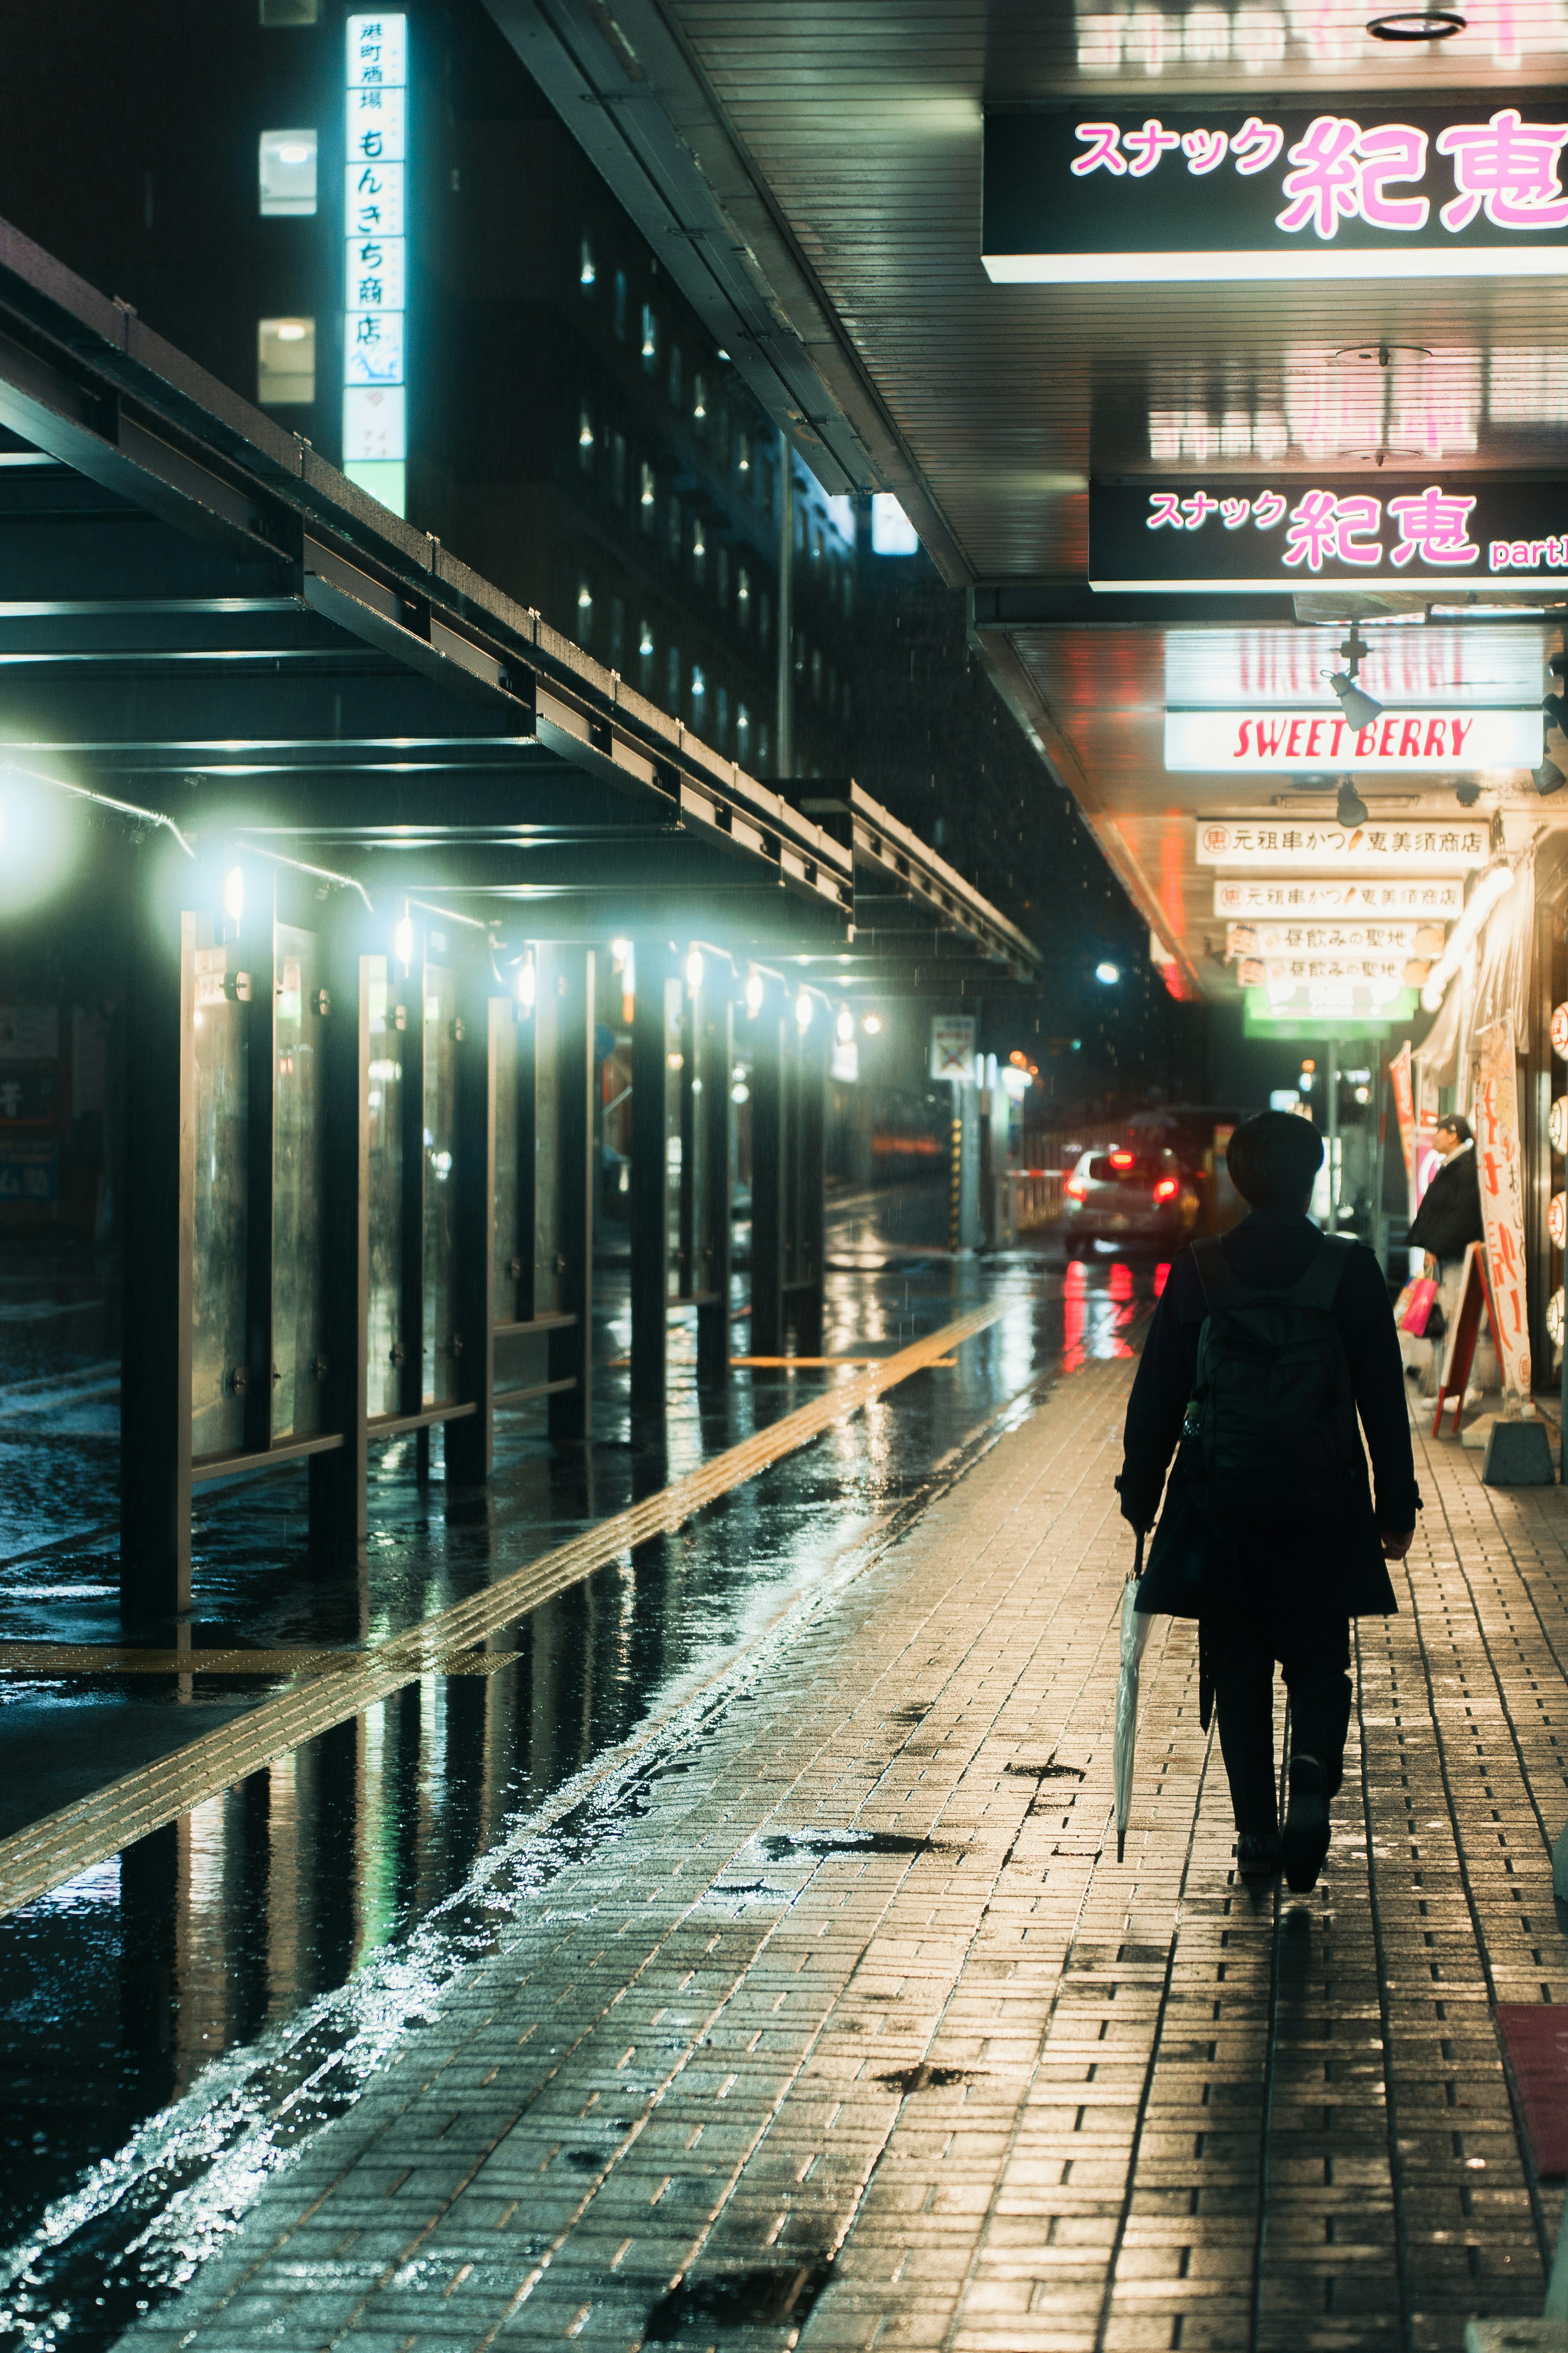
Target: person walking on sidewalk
1263,1347
1447,1221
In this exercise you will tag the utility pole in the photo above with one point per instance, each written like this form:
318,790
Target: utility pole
784,723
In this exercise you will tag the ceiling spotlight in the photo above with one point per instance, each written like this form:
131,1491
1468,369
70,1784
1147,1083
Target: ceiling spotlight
1548,778
1352,810
1430,23
1468,793
1108,974
1360,708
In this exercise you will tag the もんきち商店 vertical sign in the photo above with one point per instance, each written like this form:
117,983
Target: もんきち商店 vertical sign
376,257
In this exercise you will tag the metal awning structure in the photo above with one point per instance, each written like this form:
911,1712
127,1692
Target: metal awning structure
197,614
920,930
814,183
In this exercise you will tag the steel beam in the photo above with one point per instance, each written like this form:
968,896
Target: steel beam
571,1346
650,1176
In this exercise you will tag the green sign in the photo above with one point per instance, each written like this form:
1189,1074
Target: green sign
1261,1020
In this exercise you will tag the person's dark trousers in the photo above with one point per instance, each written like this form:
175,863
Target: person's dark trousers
1239,1650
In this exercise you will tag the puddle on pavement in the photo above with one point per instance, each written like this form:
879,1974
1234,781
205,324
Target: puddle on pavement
174,2020
762,2296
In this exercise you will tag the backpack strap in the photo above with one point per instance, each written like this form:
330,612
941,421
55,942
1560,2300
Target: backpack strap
1221,1288
1318,1287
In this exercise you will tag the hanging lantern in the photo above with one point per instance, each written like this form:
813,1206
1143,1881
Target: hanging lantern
1557,1124
1560,1032
1554,1318
1557,1219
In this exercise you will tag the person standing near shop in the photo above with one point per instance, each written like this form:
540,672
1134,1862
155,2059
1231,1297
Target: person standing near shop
1266,1347
1447,1221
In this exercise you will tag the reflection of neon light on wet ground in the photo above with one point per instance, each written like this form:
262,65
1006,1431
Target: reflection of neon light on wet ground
1095,1318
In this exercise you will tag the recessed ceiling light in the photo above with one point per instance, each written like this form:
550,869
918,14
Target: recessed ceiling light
1377,354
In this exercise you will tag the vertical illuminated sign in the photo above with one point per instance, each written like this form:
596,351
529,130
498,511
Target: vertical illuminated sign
375,418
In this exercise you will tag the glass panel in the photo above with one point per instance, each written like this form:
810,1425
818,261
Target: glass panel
383,1392
506,1240
440,1386
298,1327
217,1415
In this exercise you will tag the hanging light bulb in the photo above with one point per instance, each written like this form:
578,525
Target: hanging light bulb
802,1009
234,894
694,969
403,940
527,982
845,1025
754,994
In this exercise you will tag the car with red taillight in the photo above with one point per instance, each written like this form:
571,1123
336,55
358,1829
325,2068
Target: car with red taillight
1128,1199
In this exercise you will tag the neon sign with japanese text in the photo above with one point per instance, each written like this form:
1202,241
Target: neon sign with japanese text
1259,534
376,259
1074,198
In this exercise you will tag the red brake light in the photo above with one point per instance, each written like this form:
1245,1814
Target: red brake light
1122,1160
1076,1188
1166,1190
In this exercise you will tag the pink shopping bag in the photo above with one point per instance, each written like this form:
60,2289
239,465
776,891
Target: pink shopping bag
1415,1305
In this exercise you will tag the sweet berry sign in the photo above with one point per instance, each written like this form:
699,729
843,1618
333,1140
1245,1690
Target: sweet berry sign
1467,191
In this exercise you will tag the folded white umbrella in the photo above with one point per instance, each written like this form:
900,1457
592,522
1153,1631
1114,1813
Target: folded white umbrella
1134,1635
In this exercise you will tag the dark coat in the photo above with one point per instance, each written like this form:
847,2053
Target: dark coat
1194,1566
1450,1213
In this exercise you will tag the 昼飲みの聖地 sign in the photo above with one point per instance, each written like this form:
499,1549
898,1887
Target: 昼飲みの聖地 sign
1420,849
1100,194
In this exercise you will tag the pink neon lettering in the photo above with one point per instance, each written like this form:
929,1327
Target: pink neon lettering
1509,165
1103,153
1461,728
1240,750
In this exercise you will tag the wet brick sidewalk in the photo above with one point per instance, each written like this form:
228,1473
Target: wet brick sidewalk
857,2029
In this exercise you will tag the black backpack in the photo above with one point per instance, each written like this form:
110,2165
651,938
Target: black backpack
1270,1432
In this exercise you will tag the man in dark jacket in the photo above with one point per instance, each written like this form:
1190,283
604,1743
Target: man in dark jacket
1283,1582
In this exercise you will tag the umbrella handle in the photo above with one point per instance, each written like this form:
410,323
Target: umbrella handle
1138,1559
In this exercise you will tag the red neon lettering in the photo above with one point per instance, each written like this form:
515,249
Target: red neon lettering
1461,728
1312,734
1240,750
1386,746
1366,742
1434,739
1410,740
1339,728
1293,743
1270,737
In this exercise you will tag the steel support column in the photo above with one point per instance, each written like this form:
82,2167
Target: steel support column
155,1368
572,1345
470,1441
767,1047
716,1061
339,1480
651,1178
257,954
810,1160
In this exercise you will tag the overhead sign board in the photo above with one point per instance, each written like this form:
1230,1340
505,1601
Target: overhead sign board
1422,847
1240,896
1325,1002
1088,196
1424,530
1261,738
1333,939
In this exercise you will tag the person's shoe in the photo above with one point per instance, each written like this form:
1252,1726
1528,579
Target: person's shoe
1256,1854
1305,1839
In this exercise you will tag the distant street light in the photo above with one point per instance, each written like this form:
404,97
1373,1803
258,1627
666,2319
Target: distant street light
1108,972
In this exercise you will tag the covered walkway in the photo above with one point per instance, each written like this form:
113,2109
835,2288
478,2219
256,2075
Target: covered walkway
826,2013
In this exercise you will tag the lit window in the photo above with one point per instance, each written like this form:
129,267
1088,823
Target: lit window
698,398
584,614
285,361
742,732
644,656
586,441
621,305
764,746
699,550
647,498
892,533
287,172
585,271
278,13
649,338
743,597
698,695
744,454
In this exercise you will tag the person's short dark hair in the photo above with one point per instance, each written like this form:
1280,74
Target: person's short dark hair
1461,1127
1273,1159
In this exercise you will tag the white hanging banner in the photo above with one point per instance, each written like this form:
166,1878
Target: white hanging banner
1374,848
1398,741
1437,899
1496,1123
